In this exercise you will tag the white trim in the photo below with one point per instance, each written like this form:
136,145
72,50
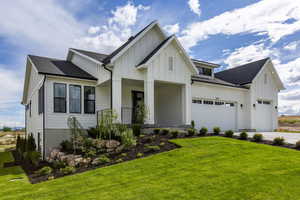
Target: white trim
220,85
212,65
70,78
84,56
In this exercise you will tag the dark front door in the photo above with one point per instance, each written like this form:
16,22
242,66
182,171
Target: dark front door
137,99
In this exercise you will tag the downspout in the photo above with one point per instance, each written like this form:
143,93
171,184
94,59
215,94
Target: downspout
44,116
111,88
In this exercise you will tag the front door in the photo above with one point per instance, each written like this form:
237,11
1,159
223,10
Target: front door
137,99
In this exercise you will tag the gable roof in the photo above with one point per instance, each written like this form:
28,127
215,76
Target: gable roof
151,54
129,41
243,74
197,62
58,67
215,81
97,56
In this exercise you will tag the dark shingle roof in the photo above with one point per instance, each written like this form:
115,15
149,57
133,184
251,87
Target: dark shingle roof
97,56
115,52
243,74
155,50
215,81
57,67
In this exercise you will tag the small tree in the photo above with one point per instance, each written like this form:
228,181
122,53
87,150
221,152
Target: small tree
6,129
141,113
193,124
30,144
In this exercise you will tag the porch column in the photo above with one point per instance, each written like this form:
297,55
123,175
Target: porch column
187,100
117,97
149,100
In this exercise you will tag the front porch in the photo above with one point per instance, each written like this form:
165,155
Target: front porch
166,102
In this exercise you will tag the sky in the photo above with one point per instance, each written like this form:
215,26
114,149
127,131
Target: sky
230,33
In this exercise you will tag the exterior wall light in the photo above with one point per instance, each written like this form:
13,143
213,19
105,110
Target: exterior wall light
241,105
276,107
254,105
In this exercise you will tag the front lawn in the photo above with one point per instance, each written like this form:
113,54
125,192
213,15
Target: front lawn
204,168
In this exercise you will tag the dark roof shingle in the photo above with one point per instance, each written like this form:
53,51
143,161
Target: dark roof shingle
243,74
97,56
57,67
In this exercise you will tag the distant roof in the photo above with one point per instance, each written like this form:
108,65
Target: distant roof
215,81
97,56
57,67
243,74
115,52
155,50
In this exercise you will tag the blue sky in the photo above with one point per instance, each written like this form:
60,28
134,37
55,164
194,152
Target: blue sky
230,33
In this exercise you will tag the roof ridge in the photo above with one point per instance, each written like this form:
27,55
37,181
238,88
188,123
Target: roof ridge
88,51
50,58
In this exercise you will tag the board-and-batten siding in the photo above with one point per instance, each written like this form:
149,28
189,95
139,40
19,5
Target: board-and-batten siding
59,120
268,91
125,65
34,123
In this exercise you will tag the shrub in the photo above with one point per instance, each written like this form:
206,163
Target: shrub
104,159
127,138
152,148
44,171
33,157
123,154
58,164
136,128
30,145
203,131
278,141
216,130
298,145
90,153
93,133
66,145
165,131
193,124
156,130
174,133
6,129
139,155
191,132
243,135
162,144
119,160
67,170
257,137
229,133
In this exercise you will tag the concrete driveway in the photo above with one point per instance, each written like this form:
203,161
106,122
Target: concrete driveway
291,138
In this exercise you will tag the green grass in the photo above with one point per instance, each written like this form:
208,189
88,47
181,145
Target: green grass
205,168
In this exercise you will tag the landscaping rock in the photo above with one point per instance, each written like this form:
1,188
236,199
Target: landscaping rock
111,144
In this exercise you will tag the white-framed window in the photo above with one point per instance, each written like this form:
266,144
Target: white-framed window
267,102
265,78
228,104
171,63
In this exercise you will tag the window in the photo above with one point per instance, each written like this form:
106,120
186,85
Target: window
60,97
197,101
219,103
267,102
41,100
229,104
205,71
259,101
89,99
75,99
30,109
171,63
208,102
265,78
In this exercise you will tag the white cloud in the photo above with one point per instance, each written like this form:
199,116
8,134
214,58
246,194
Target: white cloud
289,72
116,32
292,46
289,102
94,29
248,54
195,6
267,17
172,29
126,15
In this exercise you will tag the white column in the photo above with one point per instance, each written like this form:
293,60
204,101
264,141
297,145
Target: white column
187,103
117,97
149,100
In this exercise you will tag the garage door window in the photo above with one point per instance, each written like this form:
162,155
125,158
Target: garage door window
266,102
229,104
259,101
197,101
219,103
208,102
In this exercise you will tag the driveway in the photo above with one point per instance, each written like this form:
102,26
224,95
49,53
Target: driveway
291,138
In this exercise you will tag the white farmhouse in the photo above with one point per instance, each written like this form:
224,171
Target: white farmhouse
152,68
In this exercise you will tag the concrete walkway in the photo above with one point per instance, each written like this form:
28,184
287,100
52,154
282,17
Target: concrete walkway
291,138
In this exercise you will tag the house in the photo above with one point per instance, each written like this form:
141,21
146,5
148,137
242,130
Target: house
152,68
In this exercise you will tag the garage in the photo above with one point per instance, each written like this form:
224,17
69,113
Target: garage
211,113
264,114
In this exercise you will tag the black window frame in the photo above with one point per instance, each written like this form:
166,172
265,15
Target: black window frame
205,71
41,105
79,86
86,101
64,98
208,102
30,109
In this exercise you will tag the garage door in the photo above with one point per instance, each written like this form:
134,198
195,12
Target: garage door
211,113
263,116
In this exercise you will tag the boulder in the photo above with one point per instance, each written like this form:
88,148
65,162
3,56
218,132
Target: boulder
111,144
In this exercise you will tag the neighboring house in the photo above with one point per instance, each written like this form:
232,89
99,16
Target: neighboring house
151,68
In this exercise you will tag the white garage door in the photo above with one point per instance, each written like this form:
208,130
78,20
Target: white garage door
263,116
210,113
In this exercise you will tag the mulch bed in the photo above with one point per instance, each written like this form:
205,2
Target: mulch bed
126,155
